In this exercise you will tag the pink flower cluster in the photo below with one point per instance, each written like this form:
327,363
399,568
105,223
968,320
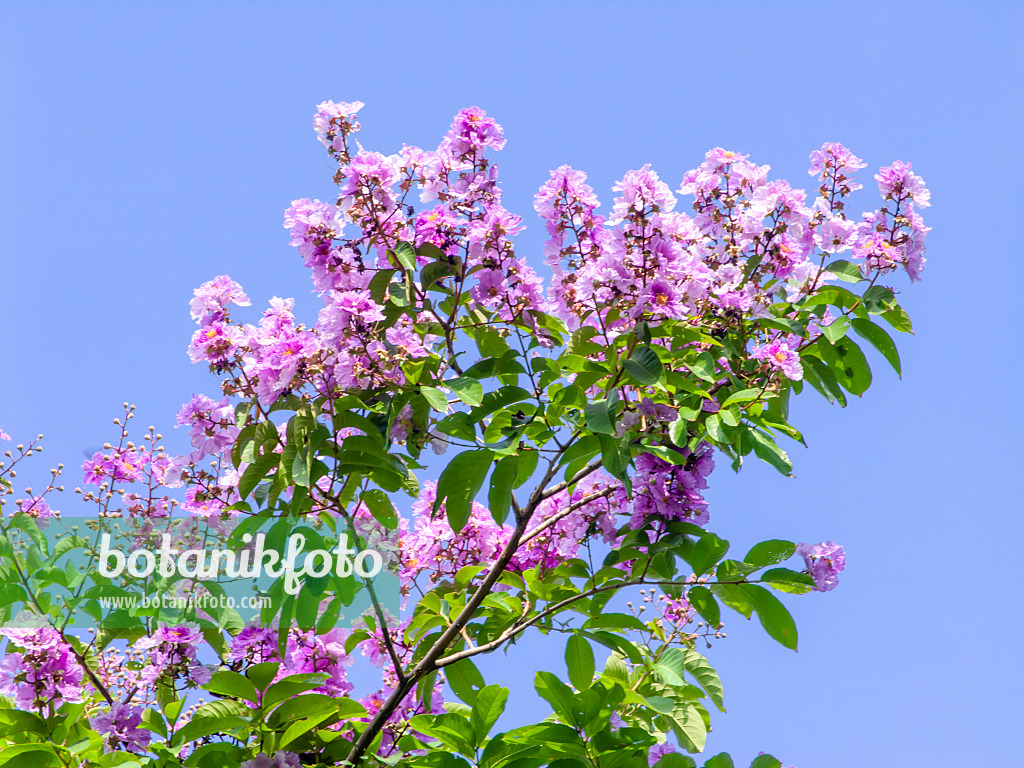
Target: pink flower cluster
649,261
555,533
267,357
824,563
172,657
281,759
37,507
305,653
44,672
663,492
211,424
781,357
121,728
433,547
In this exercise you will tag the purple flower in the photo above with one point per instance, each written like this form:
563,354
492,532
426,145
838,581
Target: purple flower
471,132
896,181
658,751
490,289
834,160
824,562
256,644
781,357
665,492
661,299
121,727
281,759
835,235
4,435
36,506
332,122
172,653
213,296
658,411
45,671
641,190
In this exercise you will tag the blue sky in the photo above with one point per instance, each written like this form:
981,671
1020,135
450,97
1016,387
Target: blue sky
147,147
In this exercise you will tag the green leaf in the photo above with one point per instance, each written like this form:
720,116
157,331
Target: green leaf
743,397
698,666
672,667
600,414
689,727
256,471
734,597
706,605
844,270
493,401
769,552
499,499
713,424
306,705
579,660
880,340
675,760
465,680
380,506
661,704
459,484
469,390
768,451
898,319
765,761
615,621
848,363
773,615
262,675
406,255
706,553
379,285
435,271
645,366
558,695
615,455
880,296
785,580
837,329
437,399
205,726
226,683
703,365
290,687
721,760
488,707
821,378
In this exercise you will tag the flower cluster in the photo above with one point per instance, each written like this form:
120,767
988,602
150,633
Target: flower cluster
648,261
281,759
824,563
121,727
780,356
305,653
38,508
44,672
561,524
665,492
433,547
172,657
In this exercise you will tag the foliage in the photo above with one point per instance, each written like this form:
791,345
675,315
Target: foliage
586,416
